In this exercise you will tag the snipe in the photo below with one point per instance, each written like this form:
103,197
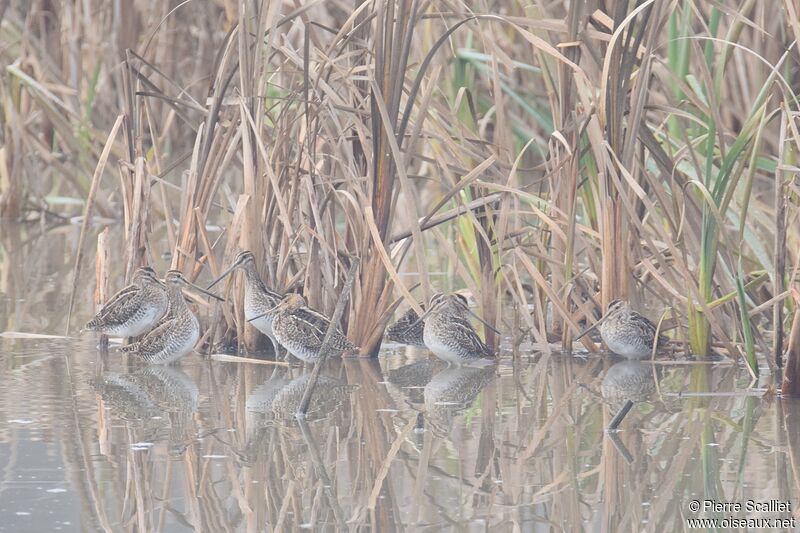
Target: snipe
133,310
627,333
448,332
175,336
258,299
301,330
409,328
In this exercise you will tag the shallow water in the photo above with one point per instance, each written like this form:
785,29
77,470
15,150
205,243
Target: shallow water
94,441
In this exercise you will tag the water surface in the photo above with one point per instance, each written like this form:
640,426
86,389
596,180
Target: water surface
96,441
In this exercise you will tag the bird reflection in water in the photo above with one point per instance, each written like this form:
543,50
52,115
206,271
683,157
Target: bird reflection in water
329,394
628,380
151,400
625,384
452,391
411,379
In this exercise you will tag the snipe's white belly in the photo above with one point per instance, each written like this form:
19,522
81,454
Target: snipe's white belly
176,347
626,348
142,323
263,324
440,349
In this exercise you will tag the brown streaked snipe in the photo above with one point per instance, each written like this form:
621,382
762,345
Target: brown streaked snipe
133,310
408,329
178,334
301,330
449,334
627,333
258,299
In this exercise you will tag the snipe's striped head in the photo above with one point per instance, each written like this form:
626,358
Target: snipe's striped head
435,299
146,275
617,306
145,271
175,278
244,259
291,302
440,300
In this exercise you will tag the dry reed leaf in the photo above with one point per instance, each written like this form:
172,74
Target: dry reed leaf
26,335
387,262
87,214
225,358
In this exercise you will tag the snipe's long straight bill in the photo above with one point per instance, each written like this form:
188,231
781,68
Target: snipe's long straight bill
421,318
209,293
265,313
224,274
204,291
482,321
590,329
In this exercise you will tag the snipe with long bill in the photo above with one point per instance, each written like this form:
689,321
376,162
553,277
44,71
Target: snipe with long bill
178,334
133,310
258,299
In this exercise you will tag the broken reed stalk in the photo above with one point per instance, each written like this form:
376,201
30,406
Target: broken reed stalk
344,296
87,213
101,279
137,223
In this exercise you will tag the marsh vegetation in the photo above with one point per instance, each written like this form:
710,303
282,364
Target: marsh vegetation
546,158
